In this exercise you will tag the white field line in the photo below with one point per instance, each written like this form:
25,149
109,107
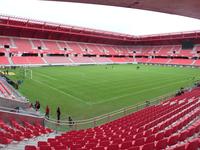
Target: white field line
62,92
107,100
141,91
46,76
146,83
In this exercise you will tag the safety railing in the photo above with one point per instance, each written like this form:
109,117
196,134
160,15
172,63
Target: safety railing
63,125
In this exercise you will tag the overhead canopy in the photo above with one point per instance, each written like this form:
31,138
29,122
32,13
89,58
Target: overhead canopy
189,8
21,27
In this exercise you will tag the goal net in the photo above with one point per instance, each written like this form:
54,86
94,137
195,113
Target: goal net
28,73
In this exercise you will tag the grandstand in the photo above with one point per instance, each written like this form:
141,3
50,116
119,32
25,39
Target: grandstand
171,121
83,53
164,126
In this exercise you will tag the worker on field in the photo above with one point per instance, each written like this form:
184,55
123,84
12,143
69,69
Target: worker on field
37,105
70,121
147,103
47,112
58,114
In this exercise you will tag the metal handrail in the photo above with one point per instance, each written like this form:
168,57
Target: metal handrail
21,111
92,122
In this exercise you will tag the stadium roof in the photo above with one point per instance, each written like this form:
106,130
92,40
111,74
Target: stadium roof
22,27
189,8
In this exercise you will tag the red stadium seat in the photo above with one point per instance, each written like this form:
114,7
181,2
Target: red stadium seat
30,147
126,144
139,142
113,147
181,147
173,140
193,145
134,148
148,146
161,144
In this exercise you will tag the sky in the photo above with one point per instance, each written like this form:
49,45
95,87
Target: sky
107,18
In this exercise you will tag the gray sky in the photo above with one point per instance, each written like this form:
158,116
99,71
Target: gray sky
116,19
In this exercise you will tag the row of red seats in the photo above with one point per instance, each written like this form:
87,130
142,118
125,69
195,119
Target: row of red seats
4,60
174,61
30,45
14,131
4,90
18,60
27,60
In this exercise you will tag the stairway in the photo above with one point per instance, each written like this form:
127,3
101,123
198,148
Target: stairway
10,61
43,45
32,45
71,60
168,61
13,43
21,145
193,62
44,60
58,45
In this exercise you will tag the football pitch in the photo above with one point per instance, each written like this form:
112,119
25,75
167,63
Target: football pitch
87,91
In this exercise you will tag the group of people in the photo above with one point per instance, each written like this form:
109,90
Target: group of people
58,112
36,106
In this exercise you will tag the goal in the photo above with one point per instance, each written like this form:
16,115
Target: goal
28,73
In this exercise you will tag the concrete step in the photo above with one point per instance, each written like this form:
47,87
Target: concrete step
21,145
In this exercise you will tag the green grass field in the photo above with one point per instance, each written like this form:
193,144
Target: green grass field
87,91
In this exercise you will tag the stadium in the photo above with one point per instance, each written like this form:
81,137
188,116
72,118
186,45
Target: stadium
67,87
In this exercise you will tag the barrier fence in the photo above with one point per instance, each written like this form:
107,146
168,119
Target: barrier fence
63,125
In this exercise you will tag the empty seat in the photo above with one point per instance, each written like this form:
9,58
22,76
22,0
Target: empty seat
45,147
161,144
134,148
126,144
183,135
113,147
193,145
148,146
5,140
150,139
139,142
180,147
60,147
159,136
173,140
99,148
43,143
30,147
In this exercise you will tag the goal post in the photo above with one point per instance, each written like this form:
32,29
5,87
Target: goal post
28,73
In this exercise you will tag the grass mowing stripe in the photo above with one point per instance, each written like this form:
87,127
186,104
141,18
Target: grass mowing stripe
93,84
142,91
46,76
119,89
60,91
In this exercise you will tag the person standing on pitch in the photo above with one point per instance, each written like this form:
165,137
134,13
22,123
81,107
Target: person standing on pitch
70,121
58,114
47,112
